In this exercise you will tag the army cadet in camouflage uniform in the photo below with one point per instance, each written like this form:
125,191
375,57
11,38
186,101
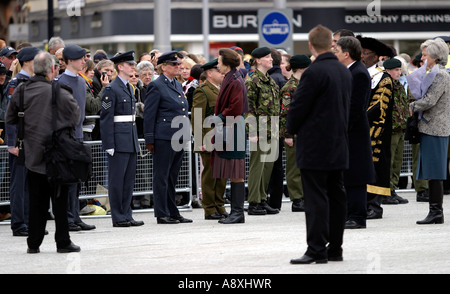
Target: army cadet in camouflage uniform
298,64
263,100
399,116
203,104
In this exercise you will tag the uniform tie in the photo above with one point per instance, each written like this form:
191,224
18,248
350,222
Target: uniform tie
129,89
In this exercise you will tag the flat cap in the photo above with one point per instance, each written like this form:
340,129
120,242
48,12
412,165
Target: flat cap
376,46
7,51
73,52
27,53
170,57
124,57
261,52
210,65
299,61
392,63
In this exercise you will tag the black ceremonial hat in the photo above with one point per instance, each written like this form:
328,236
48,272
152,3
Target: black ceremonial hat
376,46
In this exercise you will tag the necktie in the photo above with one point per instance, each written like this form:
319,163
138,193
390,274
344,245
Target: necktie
129,89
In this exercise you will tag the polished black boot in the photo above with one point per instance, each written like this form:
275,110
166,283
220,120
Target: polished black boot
435,215
436,195
237,205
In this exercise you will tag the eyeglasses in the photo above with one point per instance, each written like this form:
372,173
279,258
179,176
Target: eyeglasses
135,76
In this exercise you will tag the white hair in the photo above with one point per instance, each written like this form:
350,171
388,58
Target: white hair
437,49
55,41
145,65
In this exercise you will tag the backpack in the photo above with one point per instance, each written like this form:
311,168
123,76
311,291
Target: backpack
68,160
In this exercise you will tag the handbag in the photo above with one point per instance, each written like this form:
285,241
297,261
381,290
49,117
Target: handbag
68,160
412,129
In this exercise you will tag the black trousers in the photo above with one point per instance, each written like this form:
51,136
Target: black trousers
41,191
325,211
357,203
276,186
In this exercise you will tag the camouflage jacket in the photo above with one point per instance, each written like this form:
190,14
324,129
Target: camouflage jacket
263,101
400,112
286,94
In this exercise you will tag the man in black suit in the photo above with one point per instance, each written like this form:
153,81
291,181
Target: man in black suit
319,115
361,170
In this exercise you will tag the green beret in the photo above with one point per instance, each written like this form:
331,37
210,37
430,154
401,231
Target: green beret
392,63
261,52
210,65
299,61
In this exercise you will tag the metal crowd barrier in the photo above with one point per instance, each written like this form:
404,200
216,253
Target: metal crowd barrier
98,186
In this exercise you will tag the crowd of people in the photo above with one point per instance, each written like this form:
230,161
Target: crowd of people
339,115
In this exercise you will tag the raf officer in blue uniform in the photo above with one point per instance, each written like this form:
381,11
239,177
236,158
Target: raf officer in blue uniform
165,118
120,140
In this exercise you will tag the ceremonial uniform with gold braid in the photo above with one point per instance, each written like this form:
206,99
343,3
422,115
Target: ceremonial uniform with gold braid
379,113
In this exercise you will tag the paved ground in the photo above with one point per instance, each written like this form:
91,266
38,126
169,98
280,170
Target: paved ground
263,245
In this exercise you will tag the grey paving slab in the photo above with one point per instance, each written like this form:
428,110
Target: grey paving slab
263,245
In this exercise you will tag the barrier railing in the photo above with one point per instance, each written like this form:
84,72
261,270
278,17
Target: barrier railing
97,187
190,171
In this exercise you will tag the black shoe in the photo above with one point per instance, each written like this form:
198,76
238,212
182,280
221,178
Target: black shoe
135,223
85,227
74,228
32,250
234,218
389,200
123,224
256,209
373,215
166,220
305,259
422,196
181,219
269,210
400,200
298,205
350,224
335,258
69,248
21,233
215,216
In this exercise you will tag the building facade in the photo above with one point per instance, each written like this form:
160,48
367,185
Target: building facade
119,25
